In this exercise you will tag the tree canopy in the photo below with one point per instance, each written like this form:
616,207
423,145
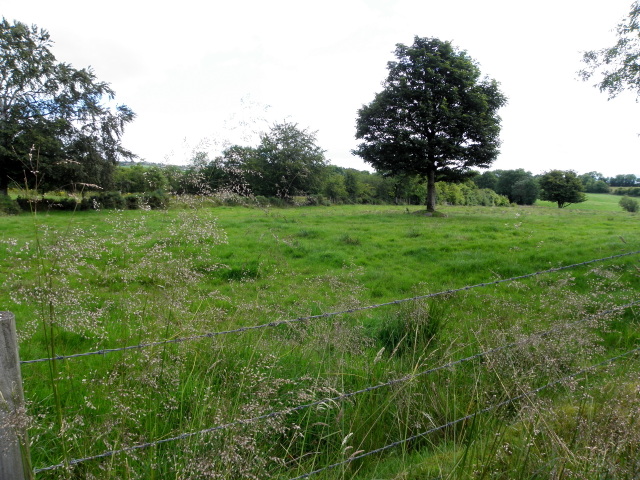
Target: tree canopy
55,128
286,162
618,66
562,187
518,185
435,116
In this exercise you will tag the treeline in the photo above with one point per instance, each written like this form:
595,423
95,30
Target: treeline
524,188
288,167
333,185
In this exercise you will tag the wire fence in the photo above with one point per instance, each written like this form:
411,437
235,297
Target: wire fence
324,315
345,396
527,394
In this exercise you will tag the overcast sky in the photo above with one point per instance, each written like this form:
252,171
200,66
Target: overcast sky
202,74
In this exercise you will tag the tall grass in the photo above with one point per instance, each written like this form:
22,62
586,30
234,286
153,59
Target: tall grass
119,278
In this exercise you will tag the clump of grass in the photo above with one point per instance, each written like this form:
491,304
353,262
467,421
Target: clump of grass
243,273
349,240
411,328
305,233
413,233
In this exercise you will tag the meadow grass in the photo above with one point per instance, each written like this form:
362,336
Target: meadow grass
92,280
603,202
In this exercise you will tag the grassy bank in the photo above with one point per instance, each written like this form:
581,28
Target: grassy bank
93,280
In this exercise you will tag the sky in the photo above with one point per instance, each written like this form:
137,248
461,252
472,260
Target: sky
203,75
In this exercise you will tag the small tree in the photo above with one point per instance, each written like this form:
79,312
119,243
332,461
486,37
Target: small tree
562,187
525,191
334,187
435,116
287,162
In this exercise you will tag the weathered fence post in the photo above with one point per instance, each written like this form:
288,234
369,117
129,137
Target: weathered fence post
15,461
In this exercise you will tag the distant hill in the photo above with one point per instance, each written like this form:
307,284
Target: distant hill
147,164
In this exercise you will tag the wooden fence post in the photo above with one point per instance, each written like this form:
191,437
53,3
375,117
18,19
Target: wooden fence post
15,461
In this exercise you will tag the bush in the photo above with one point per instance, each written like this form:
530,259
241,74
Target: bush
132,202
489,198
44,203
277,202
104,200
261,200
629,204
157,200
316,200
114,200
468,194
629,191
8,206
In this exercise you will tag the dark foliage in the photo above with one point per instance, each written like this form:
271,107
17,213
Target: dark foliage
435,117
56,132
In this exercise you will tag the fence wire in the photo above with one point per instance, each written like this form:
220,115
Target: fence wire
343,397
323,315
528,394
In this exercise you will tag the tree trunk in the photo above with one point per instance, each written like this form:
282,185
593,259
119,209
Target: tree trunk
431,190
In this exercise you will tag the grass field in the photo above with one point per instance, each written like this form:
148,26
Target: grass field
595,201
93,280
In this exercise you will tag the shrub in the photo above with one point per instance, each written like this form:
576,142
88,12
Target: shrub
8,206
629,204
45,203
277,202
233,200
261,200
628,191
488,198
316,200
157,200
132,202
468,194
104,200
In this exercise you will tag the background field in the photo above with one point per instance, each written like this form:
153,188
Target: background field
595,201
86,281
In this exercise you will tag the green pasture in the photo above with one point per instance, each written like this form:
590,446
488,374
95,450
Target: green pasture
85,281
595,201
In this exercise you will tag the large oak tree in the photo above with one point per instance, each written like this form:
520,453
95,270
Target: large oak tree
57,128
436,117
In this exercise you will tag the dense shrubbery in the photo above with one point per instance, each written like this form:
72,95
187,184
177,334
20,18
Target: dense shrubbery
628,191
629,204
447,193
102,200
114,200
468,194
46,203
8,206
108,200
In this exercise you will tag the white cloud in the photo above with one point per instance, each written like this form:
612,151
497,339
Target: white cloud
184,67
